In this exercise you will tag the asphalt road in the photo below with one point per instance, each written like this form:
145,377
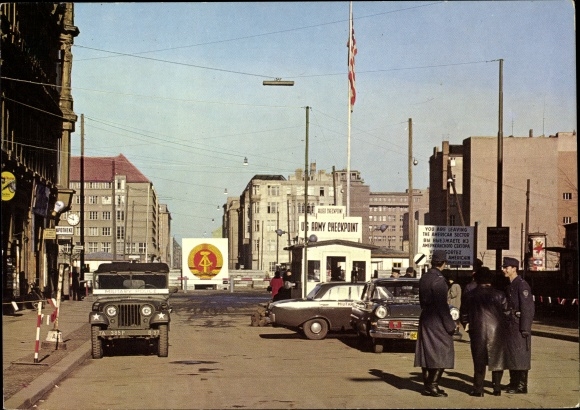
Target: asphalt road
217,360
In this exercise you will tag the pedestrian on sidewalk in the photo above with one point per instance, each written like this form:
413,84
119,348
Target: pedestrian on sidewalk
276,283
434,351
519,338
484,309
76,286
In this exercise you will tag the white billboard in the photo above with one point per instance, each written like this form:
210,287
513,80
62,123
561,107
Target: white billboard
204,260
457,241
330,222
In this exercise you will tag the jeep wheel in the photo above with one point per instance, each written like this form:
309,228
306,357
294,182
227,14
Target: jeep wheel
97,343
315,329
378,346
163,343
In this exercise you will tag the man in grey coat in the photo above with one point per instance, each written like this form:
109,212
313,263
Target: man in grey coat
434,351
519,338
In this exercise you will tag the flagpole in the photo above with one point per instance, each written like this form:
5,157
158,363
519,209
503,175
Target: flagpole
350,39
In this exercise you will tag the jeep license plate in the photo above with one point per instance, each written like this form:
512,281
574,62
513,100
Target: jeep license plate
411,335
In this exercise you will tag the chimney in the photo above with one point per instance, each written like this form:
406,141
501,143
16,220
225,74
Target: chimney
531,133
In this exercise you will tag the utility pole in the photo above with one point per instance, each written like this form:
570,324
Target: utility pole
411,211
499,164
82,225
114,211
527,231
306,176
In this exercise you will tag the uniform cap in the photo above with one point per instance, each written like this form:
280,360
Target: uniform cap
510,262
439,256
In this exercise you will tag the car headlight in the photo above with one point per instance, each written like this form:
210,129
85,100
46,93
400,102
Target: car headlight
146,310
111,310
454,313
381,312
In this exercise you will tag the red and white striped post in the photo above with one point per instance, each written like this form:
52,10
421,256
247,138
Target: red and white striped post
38,323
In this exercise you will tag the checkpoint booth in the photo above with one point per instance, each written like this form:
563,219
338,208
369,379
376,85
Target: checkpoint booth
333,249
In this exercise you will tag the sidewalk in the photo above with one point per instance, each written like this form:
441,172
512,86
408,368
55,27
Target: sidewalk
25,382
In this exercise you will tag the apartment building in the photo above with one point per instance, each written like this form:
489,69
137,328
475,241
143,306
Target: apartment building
122,217
463,184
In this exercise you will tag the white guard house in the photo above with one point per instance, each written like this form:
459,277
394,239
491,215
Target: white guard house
334,248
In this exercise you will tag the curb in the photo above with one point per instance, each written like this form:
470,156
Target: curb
29,396
554,335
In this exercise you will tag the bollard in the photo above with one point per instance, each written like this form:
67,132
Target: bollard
38,323
231,284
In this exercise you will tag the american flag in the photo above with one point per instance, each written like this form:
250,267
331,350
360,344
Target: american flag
351,44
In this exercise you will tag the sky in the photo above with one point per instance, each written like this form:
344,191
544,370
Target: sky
177,88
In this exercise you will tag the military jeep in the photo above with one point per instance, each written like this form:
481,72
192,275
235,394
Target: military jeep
131,302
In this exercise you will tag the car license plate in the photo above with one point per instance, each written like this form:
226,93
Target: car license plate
411,335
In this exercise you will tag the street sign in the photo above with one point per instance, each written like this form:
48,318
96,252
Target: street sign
498,237
64,230
78,248
49,233
457,241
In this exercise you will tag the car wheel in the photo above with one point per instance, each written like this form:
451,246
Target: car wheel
378,346
96,342
163,348
315,329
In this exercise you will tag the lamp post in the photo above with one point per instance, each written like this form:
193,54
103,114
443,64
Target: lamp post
62,204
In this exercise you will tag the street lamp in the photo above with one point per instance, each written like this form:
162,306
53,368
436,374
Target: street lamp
381,228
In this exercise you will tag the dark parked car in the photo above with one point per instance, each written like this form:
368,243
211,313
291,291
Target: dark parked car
389,309
326,308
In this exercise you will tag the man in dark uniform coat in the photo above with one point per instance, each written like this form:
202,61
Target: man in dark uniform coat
434,351
484,309
519,338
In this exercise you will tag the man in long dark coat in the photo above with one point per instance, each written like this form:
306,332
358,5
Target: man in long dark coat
434,351
484,309
519,338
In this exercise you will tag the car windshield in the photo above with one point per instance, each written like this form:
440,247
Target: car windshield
127,280
313,292
396,291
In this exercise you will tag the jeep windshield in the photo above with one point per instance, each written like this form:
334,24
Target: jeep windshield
131,278
128,280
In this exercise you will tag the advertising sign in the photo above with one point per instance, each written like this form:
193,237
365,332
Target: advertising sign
537,261
457,241
331,222
205,260
8,185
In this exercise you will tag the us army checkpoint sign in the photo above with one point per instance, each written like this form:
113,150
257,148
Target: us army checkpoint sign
457,241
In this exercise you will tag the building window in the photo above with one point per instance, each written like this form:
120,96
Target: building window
255,189
271,245
93,215
93,247
272,266
106,247
120,232
106,200
273,190
106,215
142,247
120,199
567,196
106,231
451,220
567,220
321,191
256,207
93,231
120,215
270,225
256,245
92,199
272,207
256,226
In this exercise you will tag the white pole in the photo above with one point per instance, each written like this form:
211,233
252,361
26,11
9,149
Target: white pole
348,118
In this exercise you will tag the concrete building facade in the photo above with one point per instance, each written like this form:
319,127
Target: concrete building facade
550,165
37,122
120,207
